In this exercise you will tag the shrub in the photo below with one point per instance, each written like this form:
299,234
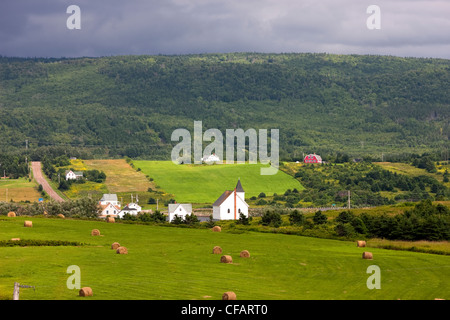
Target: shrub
271,218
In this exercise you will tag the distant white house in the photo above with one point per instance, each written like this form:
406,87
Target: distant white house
73,175
231,204
131,208
109,198
211,158
109,209
179,209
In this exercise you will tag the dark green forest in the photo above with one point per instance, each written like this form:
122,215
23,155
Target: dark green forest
380,107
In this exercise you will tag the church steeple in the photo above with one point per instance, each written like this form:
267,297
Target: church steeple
239,186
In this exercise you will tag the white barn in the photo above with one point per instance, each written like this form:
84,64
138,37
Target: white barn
231,204
179,209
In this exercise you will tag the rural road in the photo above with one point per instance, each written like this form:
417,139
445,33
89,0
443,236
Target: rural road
39,177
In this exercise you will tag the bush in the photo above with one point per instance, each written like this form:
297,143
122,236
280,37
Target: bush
296,218
319,218
271,218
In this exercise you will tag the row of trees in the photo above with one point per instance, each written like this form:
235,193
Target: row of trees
424,222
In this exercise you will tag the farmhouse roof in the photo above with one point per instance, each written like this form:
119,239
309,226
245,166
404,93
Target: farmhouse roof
109,197
174,206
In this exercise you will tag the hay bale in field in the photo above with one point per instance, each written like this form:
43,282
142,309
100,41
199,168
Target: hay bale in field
28,224
229,295
244,254
367,255
15,239
226,259
60,215
95,232
122,250
11,214
115,245
360,243
217,250
216,229
85,292
110,219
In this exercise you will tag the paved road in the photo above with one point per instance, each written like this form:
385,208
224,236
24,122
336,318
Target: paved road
39,177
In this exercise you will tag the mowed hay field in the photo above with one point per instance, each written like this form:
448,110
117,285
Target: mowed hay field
18,190
171,263
120,176
205,183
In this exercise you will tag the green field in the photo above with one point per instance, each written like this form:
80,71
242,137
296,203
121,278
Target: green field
169,263
205,183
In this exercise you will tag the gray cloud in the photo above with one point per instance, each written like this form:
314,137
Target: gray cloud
31,28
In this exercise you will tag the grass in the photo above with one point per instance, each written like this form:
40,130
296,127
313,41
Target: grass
205,183
168,263
18,190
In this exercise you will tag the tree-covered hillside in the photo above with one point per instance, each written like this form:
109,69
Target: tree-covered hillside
377,106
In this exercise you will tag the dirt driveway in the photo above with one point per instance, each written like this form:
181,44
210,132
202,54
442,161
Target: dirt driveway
38,176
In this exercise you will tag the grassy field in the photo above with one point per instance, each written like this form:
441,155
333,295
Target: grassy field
205,183
168,263
18,190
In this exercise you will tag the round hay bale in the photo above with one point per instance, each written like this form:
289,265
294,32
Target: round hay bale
367,255
229,295
95,232
115,245
11,214
85,292
60,215
122,250
216,229
28,224
217,250
360,243
110,219
226,259
244,254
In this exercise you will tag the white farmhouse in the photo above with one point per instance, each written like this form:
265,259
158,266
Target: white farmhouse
131,208
211,158
231,204
73,175
109,198
179,209
109,210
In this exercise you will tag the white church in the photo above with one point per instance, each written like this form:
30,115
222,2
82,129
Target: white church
231,204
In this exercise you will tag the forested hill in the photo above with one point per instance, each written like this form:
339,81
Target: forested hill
130,105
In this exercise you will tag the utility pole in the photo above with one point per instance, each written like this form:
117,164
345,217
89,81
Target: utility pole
348,202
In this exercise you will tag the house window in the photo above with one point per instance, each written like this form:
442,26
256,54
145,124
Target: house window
228,211
107,211
239,210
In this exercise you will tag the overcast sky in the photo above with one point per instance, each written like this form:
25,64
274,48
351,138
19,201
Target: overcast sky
37,28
